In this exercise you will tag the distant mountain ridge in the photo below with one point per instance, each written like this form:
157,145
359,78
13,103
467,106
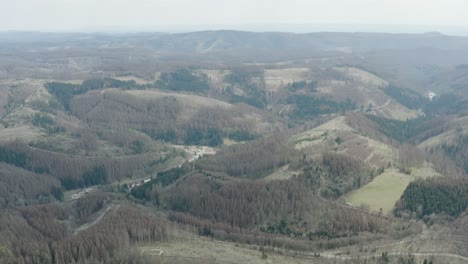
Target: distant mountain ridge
423,62
230,39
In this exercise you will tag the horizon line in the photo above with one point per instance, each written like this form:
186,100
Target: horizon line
298,28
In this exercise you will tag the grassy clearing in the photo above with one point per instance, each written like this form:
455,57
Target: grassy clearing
282,173
382,192
385,189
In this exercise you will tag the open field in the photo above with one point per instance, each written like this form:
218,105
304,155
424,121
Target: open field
382,192
385,189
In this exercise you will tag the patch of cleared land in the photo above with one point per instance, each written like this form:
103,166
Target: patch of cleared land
189,100
188,248
196,152
324,138
320,133
230,142
385,189
361,87
275,79
98,218
24,133
364,89
434,242
363,76
283,173
133,78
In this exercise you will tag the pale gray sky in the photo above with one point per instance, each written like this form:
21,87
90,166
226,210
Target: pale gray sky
173,15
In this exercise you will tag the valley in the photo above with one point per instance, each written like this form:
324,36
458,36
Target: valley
206,148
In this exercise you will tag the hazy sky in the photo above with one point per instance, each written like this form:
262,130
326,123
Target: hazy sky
167,15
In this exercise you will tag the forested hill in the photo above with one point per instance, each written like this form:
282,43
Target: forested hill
176,148
419,61
251,45
358,42
237,39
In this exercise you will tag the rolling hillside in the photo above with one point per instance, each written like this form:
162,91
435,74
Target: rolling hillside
227,146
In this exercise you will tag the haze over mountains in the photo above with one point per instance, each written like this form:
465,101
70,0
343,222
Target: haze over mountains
271,27
221,146
421,61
